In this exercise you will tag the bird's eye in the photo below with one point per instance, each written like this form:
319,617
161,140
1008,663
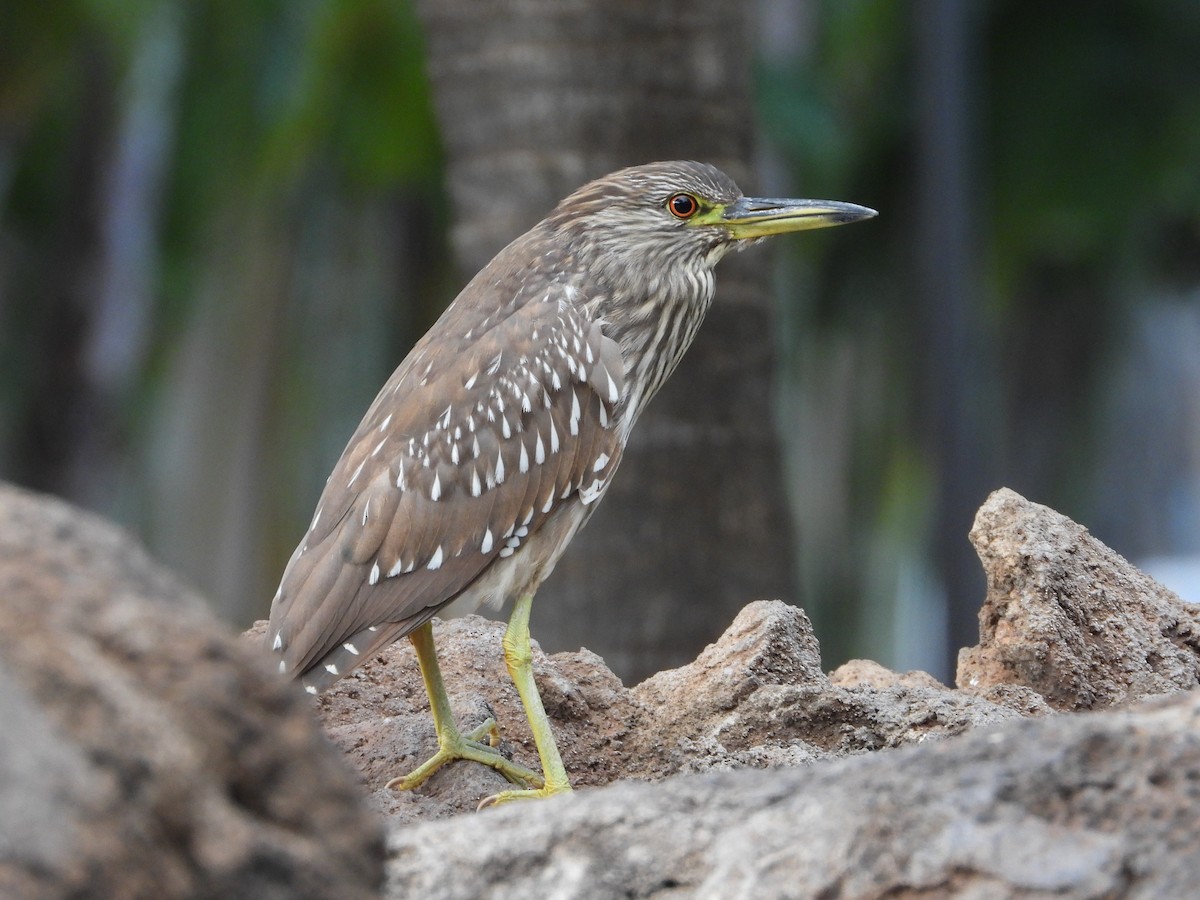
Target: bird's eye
683,206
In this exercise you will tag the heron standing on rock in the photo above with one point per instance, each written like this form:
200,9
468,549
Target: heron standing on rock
494,441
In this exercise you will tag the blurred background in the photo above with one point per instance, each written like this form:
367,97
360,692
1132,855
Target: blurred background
222,224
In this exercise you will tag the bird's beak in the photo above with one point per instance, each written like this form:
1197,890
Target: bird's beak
755,217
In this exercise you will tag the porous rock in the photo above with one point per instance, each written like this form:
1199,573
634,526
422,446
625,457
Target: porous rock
755,698
1071,619
146,752
987,792
1102,805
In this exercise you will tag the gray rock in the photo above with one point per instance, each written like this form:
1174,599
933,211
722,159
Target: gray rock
1102,805
144,751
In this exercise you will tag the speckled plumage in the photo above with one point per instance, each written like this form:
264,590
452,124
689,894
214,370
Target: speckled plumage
491,443
496,437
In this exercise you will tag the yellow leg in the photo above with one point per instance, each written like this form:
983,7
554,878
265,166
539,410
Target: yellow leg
452,744
519,658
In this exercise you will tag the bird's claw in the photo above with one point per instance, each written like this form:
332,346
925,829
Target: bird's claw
478,746
535,794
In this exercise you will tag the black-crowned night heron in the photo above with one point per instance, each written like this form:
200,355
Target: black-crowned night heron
495,439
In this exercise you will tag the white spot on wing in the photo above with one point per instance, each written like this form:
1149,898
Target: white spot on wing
374,579
500,466
436,561
331,669
486,546
436,490
310,689
277,644
539,450
396,569
523,462
350,648
592,492
600,463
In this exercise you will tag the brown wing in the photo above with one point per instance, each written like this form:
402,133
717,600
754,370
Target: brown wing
490,424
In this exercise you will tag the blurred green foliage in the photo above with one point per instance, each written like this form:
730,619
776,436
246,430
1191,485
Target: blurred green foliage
1085,138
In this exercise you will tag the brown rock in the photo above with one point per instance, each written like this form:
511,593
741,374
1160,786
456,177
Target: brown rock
857,673
379,715
757,697
144,751
1071,619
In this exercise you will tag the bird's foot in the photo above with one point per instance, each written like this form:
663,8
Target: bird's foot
546,790
474,747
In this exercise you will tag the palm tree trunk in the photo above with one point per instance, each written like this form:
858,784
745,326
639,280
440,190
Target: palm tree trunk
534,99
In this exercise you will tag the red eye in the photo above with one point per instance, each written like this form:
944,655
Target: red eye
683,206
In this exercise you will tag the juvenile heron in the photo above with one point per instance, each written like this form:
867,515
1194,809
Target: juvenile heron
495,439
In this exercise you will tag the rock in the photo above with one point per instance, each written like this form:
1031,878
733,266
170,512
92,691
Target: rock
757,697
1067,806
985,793
759,693
1071,619
379,715
857,673
145,752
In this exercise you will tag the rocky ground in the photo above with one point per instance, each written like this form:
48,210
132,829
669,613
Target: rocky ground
1065,762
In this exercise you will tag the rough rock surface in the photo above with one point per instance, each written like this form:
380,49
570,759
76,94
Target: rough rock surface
757,697
152,756
145,752
1103,805
1032,804
1070,618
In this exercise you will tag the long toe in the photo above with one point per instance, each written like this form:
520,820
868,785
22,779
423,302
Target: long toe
534,794
470,747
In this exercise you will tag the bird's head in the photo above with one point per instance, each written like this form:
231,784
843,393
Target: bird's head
639,246
670,213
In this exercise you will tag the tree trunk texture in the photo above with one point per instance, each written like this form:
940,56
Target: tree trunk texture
534,99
